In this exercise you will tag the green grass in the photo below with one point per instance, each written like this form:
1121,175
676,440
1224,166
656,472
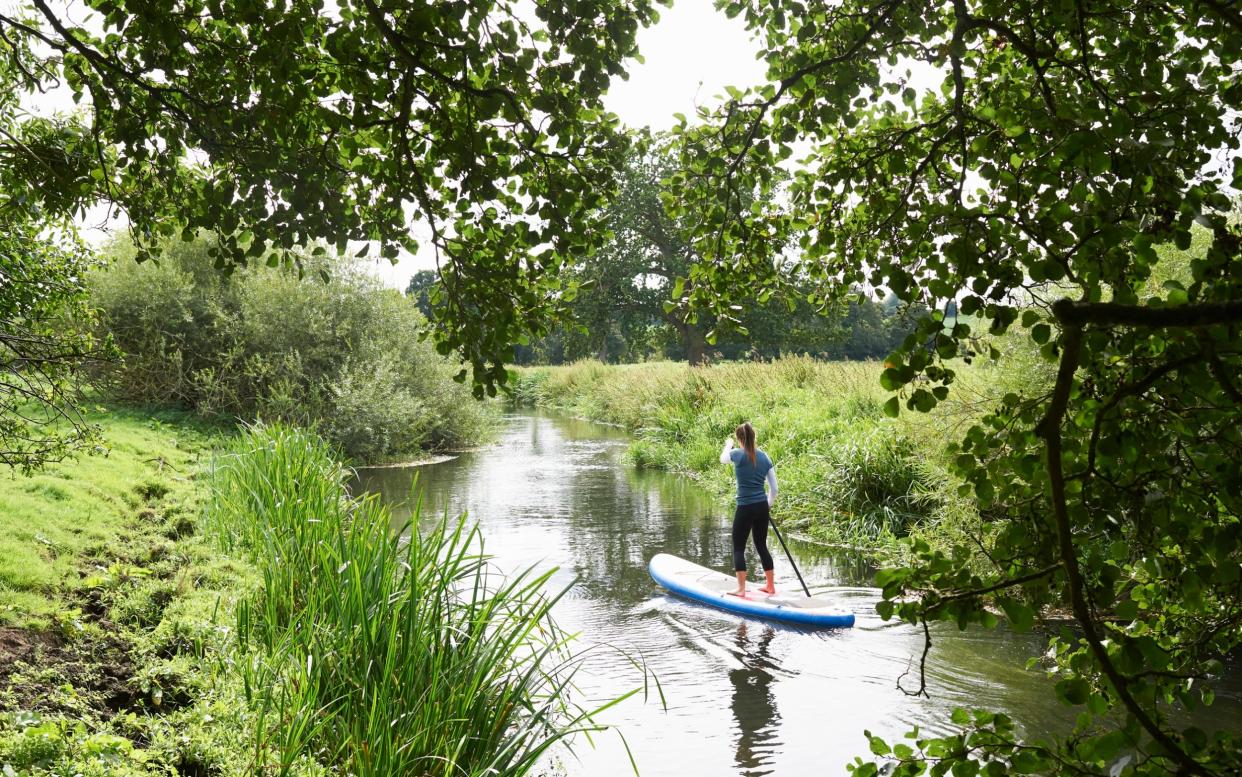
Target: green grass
116,614
374,654
848,473
89,510
269,623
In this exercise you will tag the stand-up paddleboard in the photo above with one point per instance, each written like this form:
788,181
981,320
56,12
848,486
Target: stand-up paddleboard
711,587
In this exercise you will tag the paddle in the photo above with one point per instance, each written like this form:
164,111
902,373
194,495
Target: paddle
785,547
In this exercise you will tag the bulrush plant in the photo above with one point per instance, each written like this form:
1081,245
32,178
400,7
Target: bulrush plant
378,652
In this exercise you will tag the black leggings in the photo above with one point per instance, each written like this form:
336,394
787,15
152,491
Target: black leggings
751,519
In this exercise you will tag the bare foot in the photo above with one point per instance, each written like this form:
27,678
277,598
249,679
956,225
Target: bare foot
768,591
738,594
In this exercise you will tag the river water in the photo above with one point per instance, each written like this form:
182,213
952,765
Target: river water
743,696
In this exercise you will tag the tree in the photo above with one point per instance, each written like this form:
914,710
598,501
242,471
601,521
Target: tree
419,290
46,348
1065,144
276,124
45,343
645,255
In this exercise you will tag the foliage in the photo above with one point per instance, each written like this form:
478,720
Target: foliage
1065,143
343,355
380,653
45,342
622,310
277,124
419,290
46,348
627,282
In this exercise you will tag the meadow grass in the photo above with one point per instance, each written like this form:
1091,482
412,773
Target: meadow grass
377,653
848,473
89,508
115,612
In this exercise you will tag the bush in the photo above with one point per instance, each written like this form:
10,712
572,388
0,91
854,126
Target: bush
343,356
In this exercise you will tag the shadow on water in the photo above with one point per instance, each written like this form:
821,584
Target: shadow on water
744,696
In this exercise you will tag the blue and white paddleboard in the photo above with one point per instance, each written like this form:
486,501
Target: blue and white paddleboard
711,587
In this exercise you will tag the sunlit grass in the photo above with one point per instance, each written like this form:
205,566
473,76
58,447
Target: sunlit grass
87,508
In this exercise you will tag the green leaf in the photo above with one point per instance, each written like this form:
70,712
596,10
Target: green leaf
878,745
1021,617
1074,691
892,408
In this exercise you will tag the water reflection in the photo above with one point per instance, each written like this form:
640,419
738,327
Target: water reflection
753,705
744,696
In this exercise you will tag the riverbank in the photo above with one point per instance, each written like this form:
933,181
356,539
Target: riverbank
201,601
849,475
116,611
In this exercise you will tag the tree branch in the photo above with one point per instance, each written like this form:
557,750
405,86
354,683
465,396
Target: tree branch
1079,314
1050,429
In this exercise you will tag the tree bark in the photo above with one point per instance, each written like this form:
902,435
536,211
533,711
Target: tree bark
692,340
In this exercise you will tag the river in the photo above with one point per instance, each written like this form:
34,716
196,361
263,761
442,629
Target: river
744,696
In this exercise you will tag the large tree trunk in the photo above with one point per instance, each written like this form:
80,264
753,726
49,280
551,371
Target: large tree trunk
692,340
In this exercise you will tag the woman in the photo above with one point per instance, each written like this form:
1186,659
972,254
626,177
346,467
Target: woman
752,468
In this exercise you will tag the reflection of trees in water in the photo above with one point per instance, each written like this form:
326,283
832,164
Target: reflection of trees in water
827,566
617,522
613,517
753,705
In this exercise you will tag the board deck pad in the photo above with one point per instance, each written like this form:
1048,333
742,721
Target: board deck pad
712,587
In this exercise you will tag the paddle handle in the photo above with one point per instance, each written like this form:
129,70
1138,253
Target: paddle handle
785,547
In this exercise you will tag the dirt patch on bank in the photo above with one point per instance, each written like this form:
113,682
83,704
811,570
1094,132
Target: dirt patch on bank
20,644
42,672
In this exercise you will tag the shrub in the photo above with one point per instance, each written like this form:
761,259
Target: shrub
343,356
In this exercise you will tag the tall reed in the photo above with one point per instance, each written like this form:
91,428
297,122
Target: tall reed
372,652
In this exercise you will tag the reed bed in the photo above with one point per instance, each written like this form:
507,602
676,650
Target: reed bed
374,652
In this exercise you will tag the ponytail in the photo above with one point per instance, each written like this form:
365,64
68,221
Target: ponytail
746,436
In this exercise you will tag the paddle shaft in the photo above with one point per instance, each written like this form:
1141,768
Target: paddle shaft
785,547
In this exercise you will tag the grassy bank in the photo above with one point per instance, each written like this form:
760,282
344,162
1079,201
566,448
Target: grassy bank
374,654
848,473
114,611
199,603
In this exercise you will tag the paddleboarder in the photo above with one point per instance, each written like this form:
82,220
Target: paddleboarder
752,468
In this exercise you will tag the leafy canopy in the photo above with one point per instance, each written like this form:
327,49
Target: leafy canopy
1065,144
276,124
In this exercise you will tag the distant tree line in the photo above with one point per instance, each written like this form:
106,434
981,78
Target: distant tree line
620,332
